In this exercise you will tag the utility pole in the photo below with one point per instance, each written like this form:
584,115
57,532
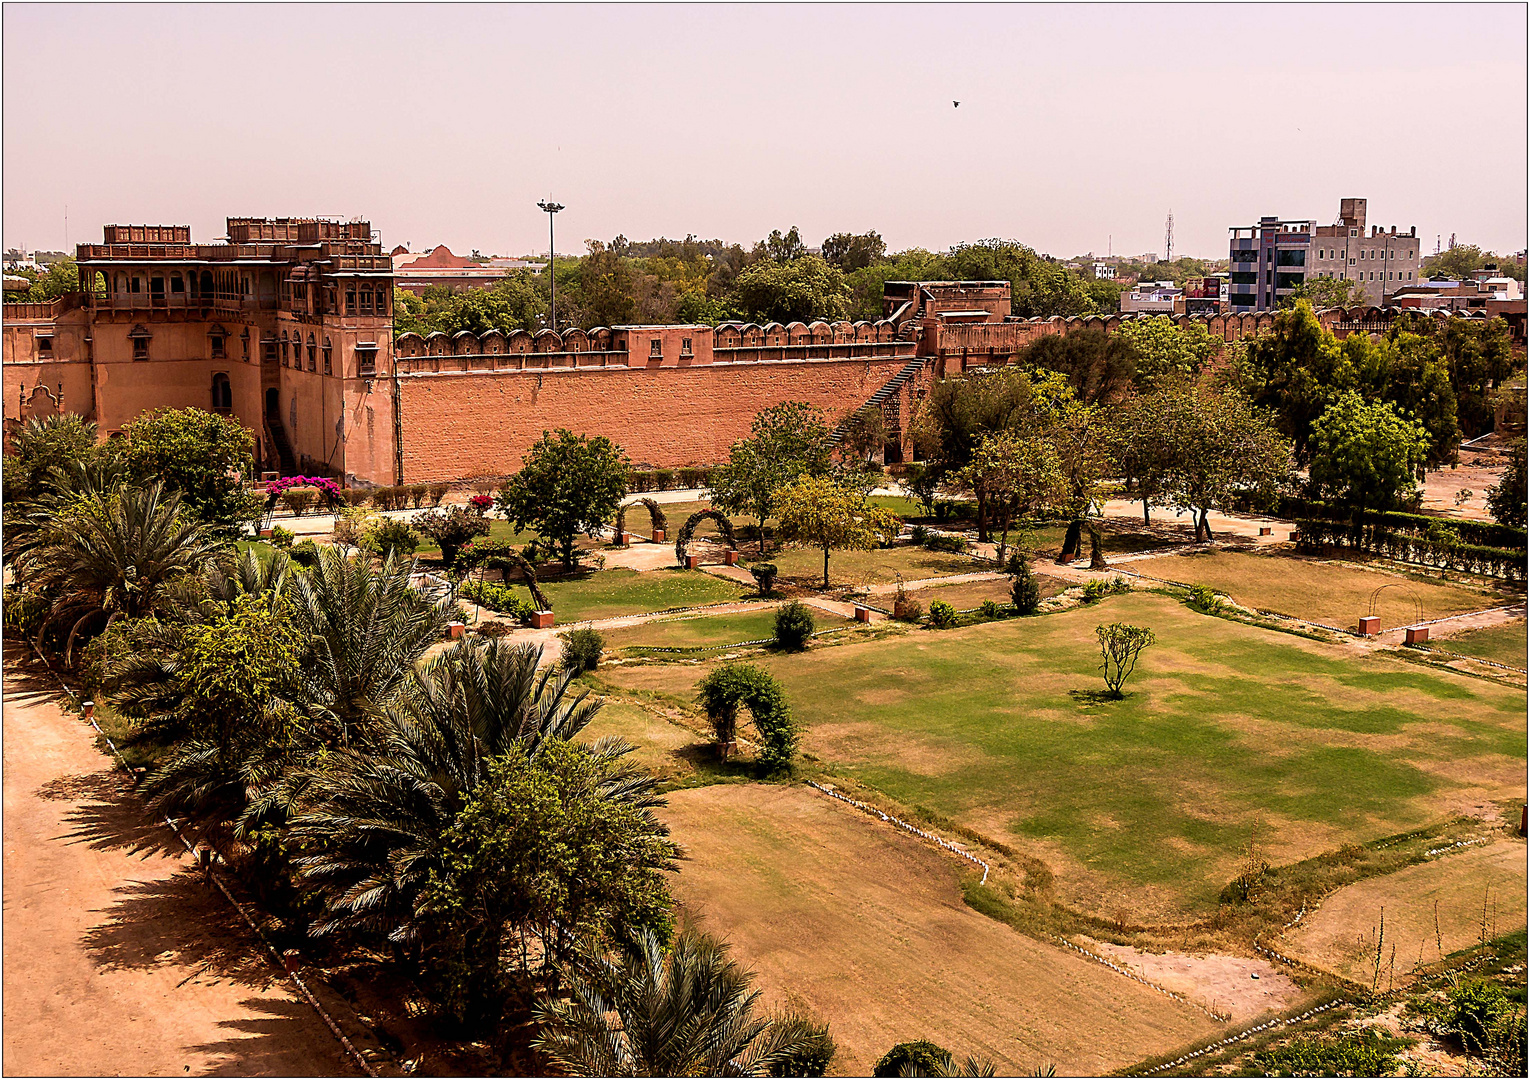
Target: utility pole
1168,239
551,208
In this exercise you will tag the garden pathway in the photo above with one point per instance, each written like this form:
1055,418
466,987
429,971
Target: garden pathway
119,960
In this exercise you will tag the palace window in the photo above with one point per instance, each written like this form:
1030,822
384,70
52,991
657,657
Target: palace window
244,342
366,301
312,354
655,349
685,346
140,348
218,352
222,393
45,345
350,301
327,351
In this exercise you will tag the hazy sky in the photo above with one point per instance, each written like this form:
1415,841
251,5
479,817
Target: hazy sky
1079,126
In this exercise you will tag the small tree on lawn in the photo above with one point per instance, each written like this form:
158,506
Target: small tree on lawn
819,512
1366,455
923,482
1120,645
451,529
568,484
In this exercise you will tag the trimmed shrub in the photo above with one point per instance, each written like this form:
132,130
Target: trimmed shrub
693,478
919,1058
1204,599
1099,589
942,615
417,493
764,577
663,479
991,610
581,650
907,610
1024,590
794,626
956,545
299,499
437,492
282,538
640,480
731,685
305,554
451,529
355,496
919,534
500,598
391,535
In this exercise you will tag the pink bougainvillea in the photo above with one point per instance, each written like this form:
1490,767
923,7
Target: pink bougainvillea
323,484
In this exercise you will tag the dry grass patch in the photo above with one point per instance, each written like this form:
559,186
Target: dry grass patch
1341,934
1318,591
865,926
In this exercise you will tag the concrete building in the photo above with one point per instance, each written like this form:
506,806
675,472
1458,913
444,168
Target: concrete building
1272,259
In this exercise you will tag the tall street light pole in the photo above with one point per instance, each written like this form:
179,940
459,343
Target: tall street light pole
552,208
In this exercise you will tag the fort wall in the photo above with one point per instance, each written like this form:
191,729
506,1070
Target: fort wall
458,424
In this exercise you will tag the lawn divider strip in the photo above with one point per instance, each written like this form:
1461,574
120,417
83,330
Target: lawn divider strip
283,965
1257,1029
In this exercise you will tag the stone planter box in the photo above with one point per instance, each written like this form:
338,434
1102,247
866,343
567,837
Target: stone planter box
1265,530
625,539
862,614
693,562
265,534
1370,625
454,630
541,620
1416,635
730,557
658,536
1295,536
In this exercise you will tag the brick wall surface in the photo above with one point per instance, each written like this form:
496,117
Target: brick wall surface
463,424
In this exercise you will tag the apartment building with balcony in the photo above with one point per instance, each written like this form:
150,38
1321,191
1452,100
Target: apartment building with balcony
1272,259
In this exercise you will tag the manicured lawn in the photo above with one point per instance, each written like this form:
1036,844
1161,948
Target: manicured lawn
1318,591
1504,644
608,593
499,529
263,551
709,630
1048,539
881,567
1227,729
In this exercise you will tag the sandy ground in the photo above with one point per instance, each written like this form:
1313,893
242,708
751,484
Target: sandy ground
1341,934
1477,473
1232,986
865,927
119,961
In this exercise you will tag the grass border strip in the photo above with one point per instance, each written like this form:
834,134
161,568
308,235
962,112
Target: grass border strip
283,965
866,807
1257,1029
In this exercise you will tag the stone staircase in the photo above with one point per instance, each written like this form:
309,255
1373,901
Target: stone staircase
907,372
283,448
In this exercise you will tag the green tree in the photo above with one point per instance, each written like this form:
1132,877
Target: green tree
1366,455
784,249
1104,294
61,278
114,554
605,288
1099,366
542,856
1017,477
568,484
1328,293
1165,352
785,441
208,458
685,1011
802,290
41,444
452,529
854,251
820,512
1216,446
1506,501
1296,369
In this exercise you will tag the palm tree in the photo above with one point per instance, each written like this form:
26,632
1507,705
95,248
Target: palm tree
687,1011
376,814
368,627
114,554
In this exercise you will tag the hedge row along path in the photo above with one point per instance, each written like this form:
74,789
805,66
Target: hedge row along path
119,959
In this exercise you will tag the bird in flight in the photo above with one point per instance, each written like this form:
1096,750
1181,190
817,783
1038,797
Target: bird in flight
956,104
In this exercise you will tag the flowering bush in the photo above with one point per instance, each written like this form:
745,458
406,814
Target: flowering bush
481,503
322,484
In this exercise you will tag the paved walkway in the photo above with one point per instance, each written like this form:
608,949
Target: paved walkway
119,960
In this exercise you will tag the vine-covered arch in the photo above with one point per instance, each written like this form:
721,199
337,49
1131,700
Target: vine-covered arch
689,529
732,685
655,515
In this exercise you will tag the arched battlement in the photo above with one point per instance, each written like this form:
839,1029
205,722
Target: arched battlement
464,343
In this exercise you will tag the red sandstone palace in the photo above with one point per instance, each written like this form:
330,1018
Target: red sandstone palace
287,326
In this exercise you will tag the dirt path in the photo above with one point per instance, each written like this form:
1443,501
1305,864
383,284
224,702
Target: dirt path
118,959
